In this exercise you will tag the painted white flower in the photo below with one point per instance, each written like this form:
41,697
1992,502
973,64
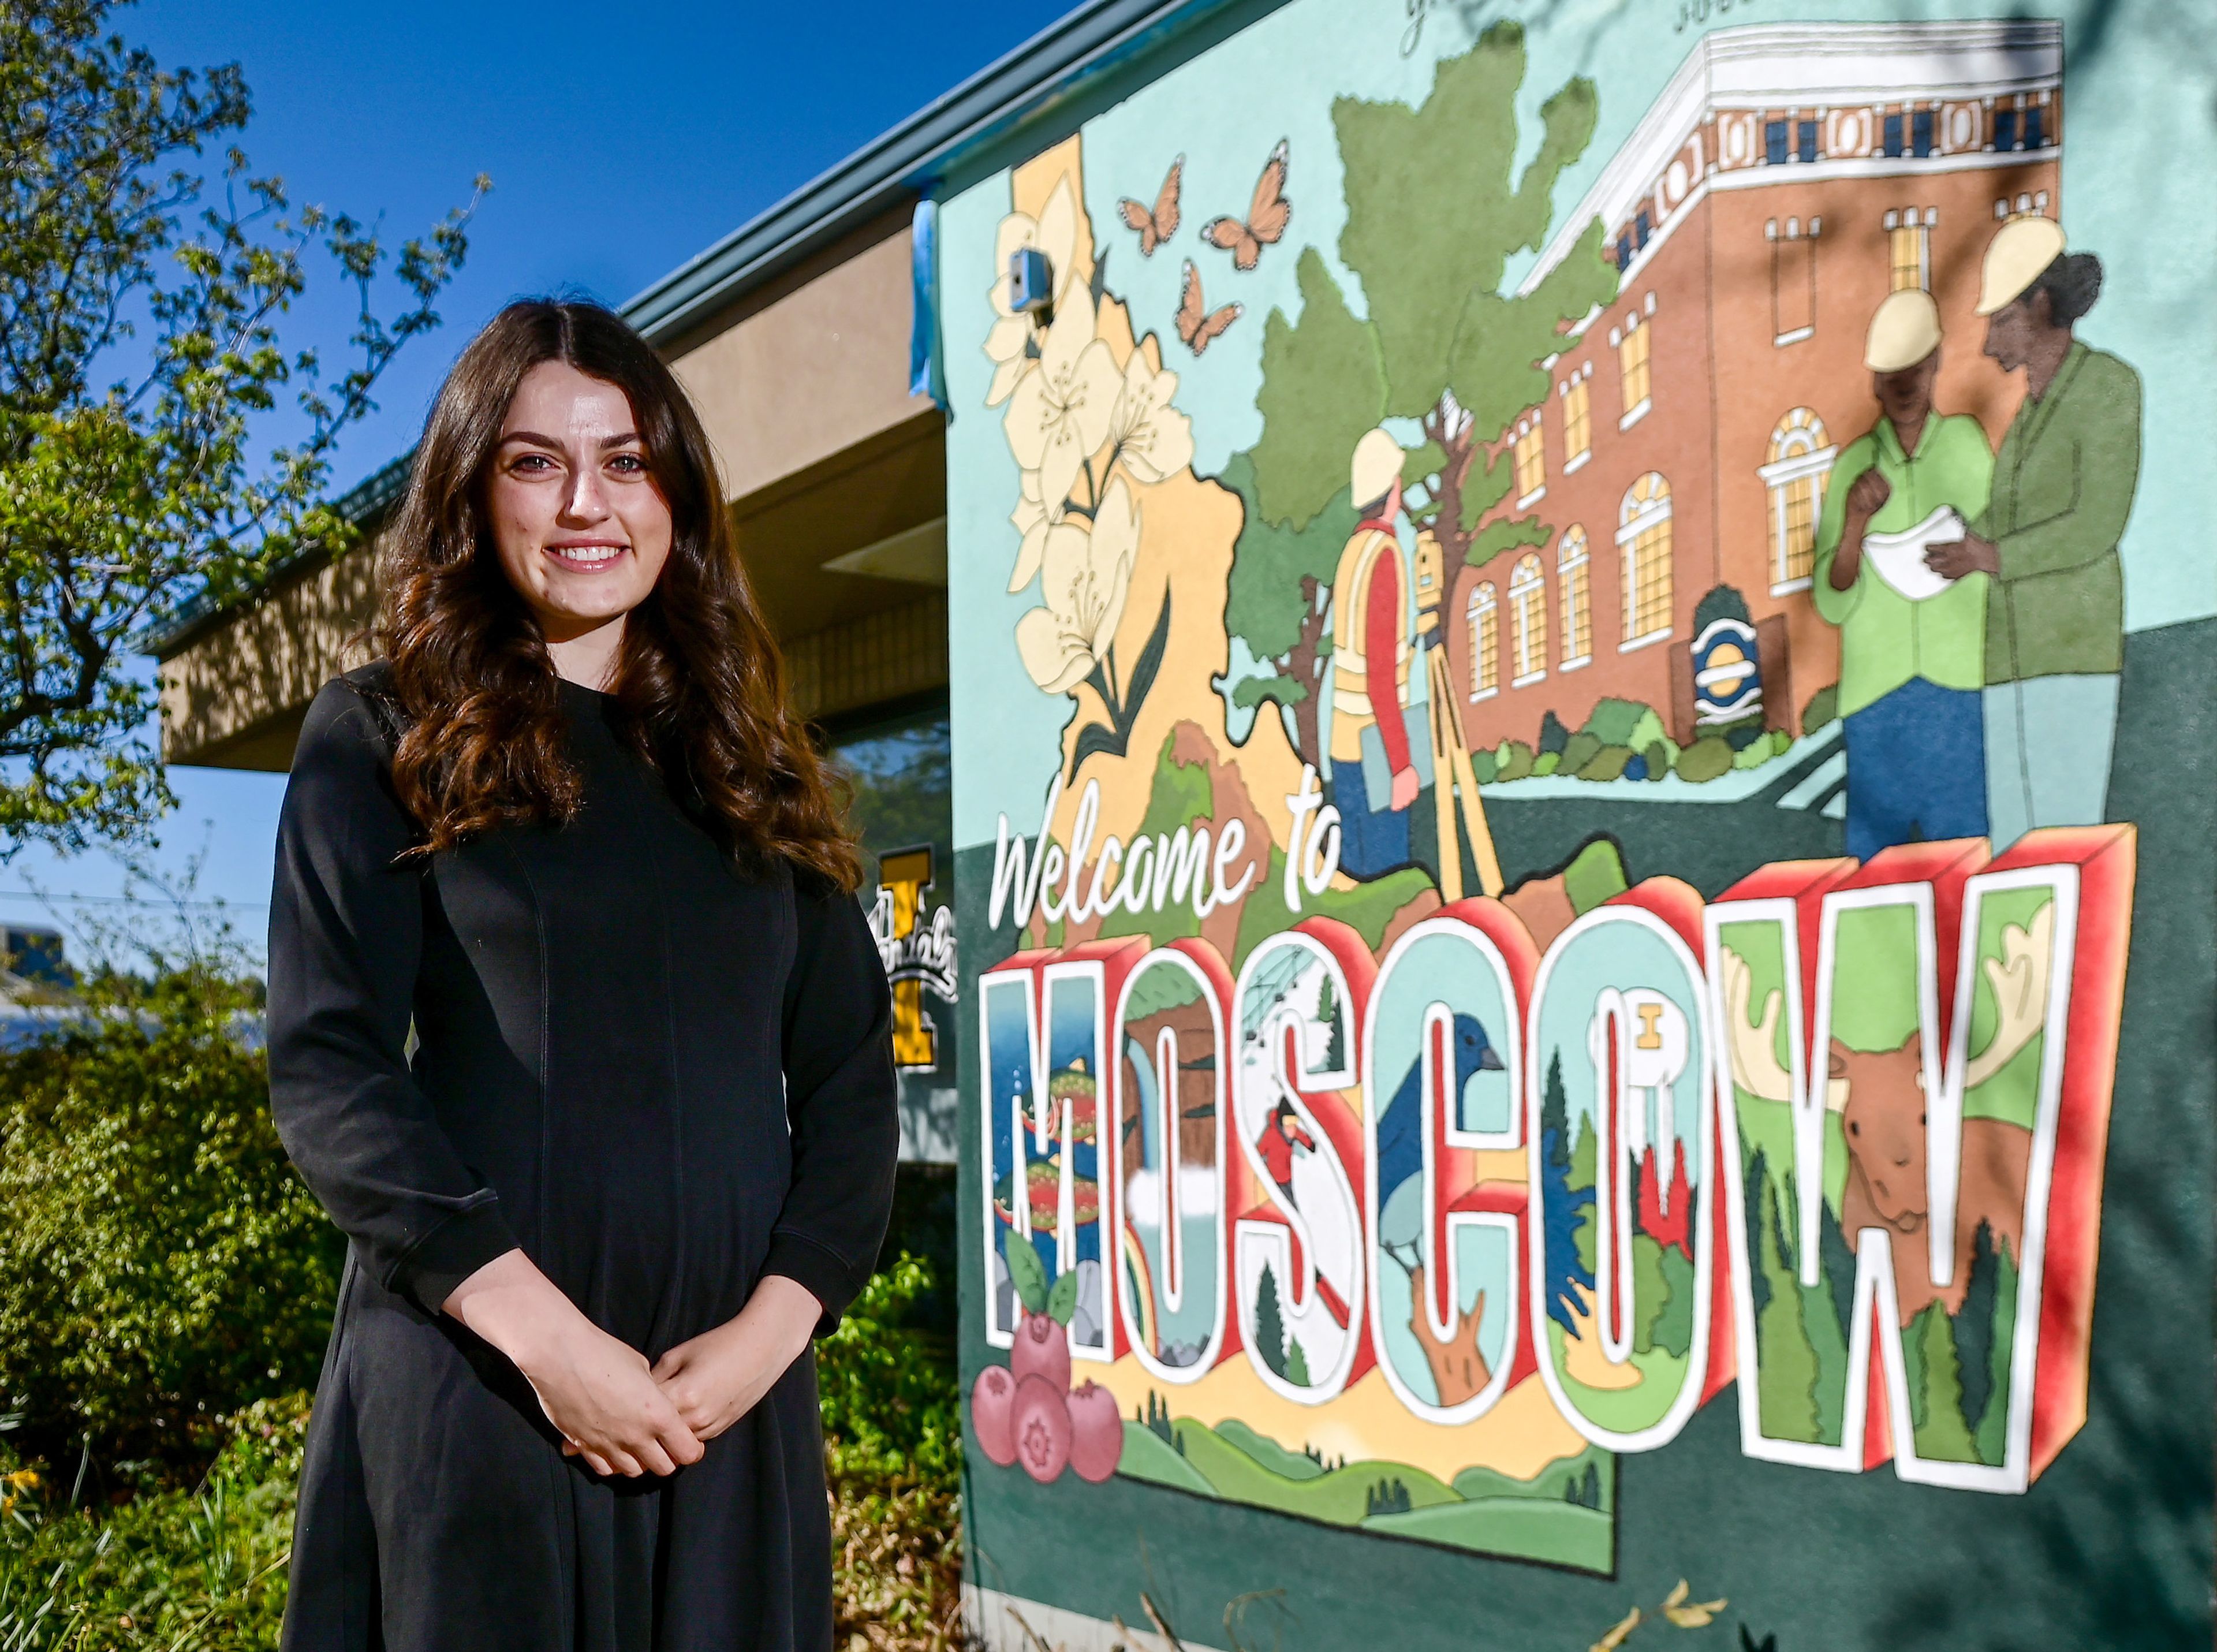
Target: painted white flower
1054,232
1032,518
1058,417
1155,438
1085,578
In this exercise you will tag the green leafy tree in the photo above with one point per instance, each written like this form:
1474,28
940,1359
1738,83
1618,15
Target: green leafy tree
1436,206
139,348
1277,601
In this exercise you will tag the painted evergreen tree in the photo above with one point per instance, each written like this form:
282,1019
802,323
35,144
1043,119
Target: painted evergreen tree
1935,1399
1297,1364
1335,1055
1992,1436
1561,1208
1269,1322
1972,1329
1436,207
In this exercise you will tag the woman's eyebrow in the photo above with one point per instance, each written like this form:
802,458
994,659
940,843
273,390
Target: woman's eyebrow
532,437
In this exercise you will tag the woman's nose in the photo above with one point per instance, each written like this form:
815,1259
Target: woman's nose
586,503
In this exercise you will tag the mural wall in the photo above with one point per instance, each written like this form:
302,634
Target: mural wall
1567,684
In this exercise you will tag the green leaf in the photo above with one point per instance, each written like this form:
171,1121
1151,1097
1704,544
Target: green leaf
1027,1272
1062,1301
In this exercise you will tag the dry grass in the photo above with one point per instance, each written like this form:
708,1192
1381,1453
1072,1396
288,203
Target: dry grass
897,1568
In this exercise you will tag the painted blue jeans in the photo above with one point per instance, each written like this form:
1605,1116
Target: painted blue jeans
1917,768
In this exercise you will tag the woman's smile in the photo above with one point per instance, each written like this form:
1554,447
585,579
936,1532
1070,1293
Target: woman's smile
586,556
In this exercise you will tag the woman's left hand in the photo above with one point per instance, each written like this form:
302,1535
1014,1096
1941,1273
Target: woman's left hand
720,1376
1969,555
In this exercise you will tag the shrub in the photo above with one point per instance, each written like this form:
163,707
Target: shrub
1608,764
1580,751
1512,760
1659,758
1613,721
1707,758
1553,735
161,1265
1823,706
891,1396
1481,766
1546,762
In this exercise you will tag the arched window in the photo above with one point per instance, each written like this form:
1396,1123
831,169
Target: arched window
1643,539
1571,573
1800,458
1484,643
1527,615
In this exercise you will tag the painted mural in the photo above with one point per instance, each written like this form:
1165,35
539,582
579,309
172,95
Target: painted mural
1570,882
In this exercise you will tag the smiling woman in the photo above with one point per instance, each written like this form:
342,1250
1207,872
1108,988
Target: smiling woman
569,835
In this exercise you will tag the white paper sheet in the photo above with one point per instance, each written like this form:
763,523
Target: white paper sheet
1899,558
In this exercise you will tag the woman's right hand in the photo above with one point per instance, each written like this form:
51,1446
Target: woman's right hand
596,1389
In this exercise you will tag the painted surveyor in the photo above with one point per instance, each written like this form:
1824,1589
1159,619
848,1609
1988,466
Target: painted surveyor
1912,655
2063,488
1370,671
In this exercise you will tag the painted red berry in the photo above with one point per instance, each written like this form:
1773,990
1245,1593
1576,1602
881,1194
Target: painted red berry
991,1403
1097,1432
1041,1422
1042,1350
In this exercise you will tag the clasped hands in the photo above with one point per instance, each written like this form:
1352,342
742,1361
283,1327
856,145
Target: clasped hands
611,1407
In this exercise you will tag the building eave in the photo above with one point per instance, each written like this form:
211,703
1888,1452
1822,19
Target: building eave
902,165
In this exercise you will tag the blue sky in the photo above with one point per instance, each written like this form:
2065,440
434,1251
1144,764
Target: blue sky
619,143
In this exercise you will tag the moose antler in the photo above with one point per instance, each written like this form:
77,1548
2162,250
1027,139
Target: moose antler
2019,978
1753,1048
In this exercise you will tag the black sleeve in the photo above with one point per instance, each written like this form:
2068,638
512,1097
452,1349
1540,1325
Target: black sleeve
346,925
842,1101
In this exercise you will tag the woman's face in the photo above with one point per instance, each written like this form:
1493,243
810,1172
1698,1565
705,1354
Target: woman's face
581,528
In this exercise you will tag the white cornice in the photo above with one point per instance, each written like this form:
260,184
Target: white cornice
1799,66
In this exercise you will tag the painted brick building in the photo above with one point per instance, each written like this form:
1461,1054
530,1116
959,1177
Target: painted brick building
1689,437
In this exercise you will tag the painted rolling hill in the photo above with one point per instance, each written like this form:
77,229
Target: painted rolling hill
1563,1517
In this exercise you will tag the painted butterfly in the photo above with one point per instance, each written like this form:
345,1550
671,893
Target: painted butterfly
1156,226
1267,215
1196,324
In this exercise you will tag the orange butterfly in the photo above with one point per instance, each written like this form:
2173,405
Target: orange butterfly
1196,324
1266,216
1156,226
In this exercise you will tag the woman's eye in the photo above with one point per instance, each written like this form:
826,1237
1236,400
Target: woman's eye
532,463
631,464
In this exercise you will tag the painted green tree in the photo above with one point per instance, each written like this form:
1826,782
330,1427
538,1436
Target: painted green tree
1269,1322
1436,207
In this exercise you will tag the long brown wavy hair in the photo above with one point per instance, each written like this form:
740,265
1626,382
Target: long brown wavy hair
699,685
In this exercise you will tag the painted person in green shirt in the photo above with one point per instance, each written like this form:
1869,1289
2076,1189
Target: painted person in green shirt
1911,647
2063,488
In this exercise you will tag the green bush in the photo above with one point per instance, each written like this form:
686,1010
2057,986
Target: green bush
1512,760
1707,758
1659,758
1546,762
890,1391
1580,750
1614,722
1823,706
1608,764
161,1265
1481,766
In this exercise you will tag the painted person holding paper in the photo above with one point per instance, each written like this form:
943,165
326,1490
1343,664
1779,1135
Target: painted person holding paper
1912,643
2063,488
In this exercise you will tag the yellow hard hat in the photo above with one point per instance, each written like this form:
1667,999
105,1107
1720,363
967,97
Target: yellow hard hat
1903,331
1377,466
2018,256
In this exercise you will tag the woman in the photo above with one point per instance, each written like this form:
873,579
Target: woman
567,839
2063,488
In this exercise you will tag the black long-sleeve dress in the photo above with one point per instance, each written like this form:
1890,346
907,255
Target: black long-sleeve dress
659,1076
